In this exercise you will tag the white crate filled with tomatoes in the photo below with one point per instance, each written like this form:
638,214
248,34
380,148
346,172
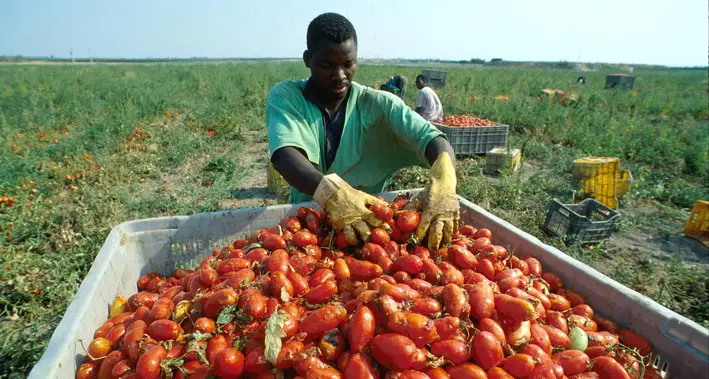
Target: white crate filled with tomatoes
274,293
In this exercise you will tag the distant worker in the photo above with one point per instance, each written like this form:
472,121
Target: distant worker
428,104
581,80
396,85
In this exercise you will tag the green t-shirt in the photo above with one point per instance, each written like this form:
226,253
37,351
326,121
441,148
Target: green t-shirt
381,134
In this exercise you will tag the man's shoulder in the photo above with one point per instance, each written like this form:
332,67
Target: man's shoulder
288,88
373,96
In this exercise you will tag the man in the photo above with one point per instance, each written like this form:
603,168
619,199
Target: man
396,85
329,131
428,104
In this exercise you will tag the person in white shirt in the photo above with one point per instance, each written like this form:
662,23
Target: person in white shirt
428,104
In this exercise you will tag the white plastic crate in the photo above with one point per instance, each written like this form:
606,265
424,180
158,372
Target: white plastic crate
160,244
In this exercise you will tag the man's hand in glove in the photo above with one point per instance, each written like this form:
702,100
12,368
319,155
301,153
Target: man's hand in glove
439,205
347,208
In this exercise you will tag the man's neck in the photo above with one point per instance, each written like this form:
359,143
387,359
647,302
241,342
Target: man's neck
330,105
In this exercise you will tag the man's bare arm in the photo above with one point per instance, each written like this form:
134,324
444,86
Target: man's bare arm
296,169
437,146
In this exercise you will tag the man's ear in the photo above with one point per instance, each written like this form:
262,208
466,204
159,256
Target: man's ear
307,55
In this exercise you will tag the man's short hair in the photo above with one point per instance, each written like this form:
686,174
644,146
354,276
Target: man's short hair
422,79
331,27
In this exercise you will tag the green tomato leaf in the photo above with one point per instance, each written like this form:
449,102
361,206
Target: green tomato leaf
274,333
240,343
226,315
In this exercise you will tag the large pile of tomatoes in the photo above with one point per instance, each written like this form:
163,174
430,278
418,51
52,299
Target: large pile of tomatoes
296,301
466,121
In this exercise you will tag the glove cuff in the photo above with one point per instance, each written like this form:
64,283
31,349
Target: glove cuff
329,184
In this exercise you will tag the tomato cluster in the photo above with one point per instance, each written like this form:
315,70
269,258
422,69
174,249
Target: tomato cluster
466,121
296,301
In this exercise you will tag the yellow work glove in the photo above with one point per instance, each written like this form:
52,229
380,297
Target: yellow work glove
346,208
439,205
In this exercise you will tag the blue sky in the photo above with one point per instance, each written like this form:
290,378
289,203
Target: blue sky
629,31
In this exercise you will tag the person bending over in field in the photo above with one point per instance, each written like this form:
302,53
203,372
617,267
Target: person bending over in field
428,104
336,141
396,85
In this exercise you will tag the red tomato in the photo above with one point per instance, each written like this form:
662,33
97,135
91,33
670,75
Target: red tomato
255,361
208,275
291,224
281,287
321,320
380,237
322,293
557,337
519,365
437,373
363,270
298,282
486,350
480,233
467,371
572,361
99,347
425,305
499,373
631,339
220,299
304,238
539,355
393,351
148,366
514,308
446,327
482,301
418,327
490,325
121,368
540,338
608,368
274,242
278,261
253,303
107,364
455,301
331,345
382,211
408,221
341,270
87,371
411,264
288,352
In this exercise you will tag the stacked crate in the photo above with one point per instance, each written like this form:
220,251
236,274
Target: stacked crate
601,178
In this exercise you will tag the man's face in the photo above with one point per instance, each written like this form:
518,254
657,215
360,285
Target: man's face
419,83
332,68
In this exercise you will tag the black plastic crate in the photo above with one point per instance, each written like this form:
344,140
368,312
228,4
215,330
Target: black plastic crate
435,79
625,82
468,140
586,222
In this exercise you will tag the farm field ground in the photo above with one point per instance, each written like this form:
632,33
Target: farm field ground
86,147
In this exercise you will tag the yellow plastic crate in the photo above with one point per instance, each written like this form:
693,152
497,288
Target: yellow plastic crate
500,160
623,180
602,179
276,183
698,223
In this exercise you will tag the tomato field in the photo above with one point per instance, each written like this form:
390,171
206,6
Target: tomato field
86,147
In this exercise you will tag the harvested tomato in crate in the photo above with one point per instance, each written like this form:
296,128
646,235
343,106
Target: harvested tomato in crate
267,292
472,135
